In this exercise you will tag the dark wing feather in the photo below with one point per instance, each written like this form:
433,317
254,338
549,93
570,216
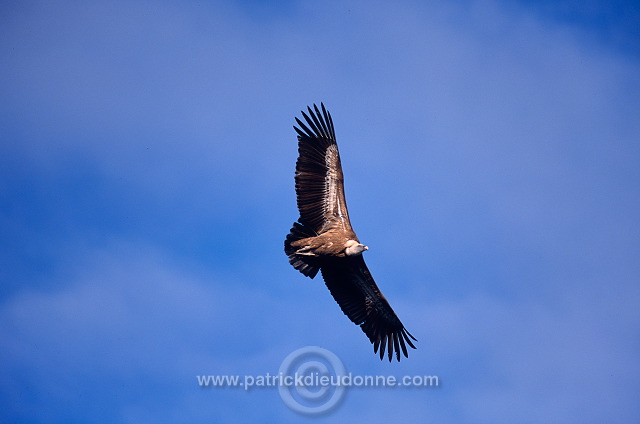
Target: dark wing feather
353,287
319,179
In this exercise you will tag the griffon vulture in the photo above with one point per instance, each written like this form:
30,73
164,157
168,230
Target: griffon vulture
323,239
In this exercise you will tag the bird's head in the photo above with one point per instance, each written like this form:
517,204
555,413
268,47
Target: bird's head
355,248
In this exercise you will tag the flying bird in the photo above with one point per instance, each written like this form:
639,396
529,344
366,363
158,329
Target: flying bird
323,240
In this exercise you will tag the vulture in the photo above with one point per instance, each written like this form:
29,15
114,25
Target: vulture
323,240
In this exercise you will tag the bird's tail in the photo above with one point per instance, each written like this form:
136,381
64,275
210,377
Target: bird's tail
308,265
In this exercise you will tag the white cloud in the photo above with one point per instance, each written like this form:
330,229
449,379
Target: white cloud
540,361
129,317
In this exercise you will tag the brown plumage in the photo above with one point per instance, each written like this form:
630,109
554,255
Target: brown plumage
323,239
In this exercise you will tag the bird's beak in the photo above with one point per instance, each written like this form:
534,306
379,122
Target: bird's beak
366,248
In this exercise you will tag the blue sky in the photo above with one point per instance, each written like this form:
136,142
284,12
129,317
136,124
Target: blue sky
490,151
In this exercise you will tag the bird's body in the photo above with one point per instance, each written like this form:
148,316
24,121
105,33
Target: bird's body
323,239
330,244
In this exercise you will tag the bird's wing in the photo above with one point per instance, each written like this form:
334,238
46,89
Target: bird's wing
352,286
319,180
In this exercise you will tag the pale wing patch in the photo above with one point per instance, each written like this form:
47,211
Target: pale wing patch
335,205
